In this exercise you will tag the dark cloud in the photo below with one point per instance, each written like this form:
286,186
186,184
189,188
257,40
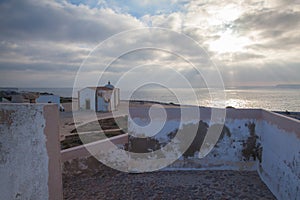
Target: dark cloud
45,67
287,42
40,56
247,56
48,20
270,19
272,26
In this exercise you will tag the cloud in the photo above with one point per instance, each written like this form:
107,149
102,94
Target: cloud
36,79
137,8
54,37
47,36
48,20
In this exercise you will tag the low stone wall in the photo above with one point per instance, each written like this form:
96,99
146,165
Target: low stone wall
84,158
250,140
237,146
280,166
29,152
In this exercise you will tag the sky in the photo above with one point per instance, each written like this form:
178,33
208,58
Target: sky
250,42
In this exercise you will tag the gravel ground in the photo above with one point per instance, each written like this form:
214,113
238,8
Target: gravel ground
111,184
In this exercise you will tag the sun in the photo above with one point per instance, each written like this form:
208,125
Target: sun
229,43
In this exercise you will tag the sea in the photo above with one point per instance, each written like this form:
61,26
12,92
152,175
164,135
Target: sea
269,98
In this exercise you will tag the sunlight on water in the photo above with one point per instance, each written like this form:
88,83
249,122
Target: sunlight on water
237,103
269,99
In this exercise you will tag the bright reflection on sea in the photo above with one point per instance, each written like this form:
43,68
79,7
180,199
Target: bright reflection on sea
266,98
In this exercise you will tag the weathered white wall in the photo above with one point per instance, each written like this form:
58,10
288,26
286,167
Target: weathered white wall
113,101
280,167
79,159
256,140
29,163
103,100
107,100
84,94
102,105
102,95
116,98
228,154
277,137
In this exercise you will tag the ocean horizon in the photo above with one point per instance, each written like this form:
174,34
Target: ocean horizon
267,97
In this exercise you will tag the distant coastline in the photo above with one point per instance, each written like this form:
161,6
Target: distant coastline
289,86
66,92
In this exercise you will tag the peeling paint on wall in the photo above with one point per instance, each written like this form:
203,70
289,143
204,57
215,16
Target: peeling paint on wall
23,153
226,154
5,117
251,147
280,166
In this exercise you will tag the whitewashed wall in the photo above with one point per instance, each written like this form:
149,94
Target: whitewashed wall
280,167
29,152
105,106
117,97
103,98
256,140
84,94
230,152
